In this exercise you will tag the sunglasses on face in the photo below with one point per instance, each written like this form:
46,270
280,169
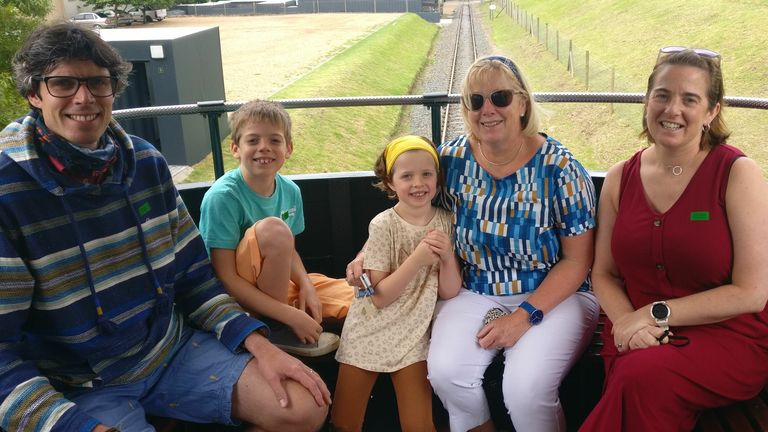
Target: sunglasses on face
701,52
499,98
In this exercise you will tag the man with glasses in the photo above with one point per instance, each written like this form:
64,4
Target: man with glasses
109,310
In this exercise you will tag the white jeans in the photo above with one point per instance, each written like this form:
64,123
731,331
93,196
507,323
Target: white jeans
533,367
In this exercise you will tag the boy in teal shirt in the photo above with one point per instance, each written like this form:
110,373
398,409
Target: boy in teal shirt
248,220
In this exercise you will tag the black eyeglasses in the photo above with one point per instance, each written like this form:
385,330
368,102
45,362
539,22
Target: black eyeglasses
674,340
66,86
499,98
701,52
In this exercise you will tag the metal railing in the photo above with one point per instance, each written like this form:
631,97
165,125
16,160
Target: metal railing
434,101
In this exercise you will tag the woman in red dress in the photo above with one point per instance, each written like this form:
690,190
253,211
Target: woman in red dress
681,266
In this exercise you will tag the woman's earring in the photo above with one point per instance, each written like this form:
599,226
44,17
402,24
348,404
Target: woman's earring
705,127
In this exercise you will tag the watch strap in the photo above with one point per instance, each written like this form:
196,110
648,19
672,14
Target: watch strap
528,307
535,315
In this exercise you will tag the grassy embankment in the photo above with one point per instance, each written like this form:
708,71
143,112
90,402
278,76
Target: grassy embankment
346,139
627,35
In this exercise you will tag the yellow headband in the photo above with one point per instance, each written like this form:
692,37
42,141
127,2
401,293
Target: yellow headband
406,143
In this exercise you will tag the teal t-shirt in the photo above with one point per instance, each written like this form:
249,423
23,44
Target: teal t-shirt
230,207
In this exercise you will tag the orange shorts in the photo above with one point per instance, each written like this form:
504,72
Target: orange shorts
335,294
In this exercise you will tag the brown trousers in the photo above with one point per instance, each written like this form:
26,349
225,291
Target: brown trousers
412,389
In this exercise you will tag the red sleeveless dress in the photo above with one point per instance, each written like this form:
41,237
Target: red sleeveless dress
686,250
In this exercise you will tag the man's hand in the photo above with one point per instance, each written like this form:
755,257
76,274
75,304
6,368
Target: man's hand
276,366
103,428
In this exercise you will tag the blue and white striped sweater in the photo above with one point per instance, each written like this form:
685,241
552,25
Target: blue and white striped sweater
49,336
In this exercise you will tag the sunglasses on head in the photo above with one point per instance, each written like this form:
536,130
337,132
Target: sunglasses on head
701,52
499,98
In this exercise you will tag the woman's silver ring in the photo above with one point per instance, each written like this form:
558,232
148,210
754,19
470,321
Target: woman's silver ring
618,345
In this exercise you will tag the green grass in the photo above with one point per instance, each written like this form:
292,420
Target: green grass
350,138
626,35
597,137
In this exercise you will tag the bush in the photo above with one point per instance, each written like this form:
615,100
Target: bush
12,105
17,19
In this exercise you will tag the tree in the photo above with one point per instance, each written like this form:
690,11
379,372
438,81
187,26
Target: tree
17,20
122,5
163,4
108,4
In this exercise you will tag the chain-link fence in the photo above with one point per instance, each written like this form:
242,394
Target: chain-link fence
428,9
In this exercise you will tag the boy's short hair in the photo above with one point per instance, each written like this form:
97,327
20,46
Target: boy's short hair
260,111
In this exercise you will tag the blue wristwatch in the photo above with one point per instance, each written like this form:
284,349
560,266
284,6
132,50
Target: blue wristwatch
534,315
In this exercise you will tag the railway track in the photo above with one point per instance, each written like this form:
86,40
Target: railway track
460,41
464,54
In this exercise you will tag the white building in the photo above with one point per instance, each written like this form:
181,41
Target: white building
63,9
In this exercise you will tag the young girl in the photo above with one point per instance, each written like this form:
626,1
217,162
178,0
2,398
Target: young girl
409,256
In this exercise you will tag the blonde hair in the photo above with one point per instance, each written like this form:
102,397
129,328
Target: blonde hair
482,70
260,111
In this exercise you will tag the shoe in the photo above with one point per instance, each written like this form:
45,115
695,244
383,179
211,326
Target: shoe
284,338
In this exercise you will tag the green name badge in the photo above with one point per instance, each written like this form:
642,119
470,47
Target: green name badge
144,209
700,216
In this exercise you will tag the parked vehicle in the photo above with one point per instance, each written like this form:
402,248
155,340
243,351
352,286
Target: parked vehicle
123,18
146,14
93,20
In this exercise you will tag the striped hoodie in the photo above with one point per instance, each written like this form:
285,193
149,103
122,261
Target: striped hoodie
97,282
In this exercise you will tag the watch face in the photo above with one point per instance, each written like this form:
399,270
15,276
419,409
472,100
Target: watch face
660,311
536,317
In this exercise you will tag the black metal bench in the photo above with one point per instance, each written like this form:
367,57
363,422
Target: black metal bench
751,415
337,210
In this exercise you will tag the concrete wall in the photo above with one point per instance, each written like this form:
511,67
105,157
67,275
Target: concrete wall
65,9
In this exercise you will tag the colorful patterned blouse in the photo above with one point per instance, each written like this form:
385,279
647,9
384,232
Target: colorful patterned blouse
507,230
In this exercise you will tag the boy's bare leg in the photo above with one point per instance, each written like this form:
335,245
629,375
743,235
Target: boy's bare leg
259,273
276,247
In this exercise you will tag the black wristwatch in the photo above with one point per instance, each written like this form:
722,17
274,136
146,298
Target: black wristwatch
534,315
660,313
